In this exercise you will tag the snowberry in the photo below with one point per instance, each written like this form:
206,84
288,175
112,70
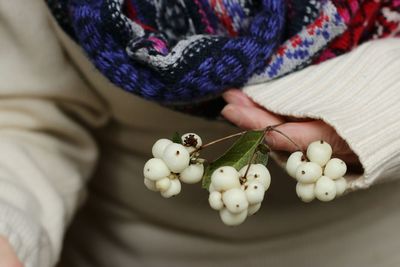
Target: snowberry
341,185
335,168
252,209
192,174
159,147
294,162
319,152
173,190
225,178
176,157
151,185
325,189
163,184
155,169
254,192
232,219
305,192
259,173
191,141
235,200
308,172
215,200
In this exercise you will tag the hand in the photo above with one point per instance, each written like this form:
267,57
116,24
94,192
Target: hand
243,112
7,255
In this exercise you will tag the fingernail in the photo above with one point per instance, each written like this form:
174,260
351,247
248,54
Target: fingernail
232,113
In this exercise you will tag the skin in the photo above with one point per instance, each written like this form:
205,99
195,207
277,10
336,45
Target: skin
7,255
246,114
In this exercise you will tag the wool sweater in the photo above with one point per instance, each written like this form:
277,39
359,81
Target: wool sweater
63,125
184,53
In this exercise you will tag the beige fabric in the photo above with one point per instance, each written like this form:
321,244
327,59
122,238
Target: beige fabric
62,123
358,95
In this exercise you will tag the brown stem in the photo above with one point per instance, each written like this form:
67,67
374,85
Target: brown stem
255,150
272,127
249,164
288,138
217,141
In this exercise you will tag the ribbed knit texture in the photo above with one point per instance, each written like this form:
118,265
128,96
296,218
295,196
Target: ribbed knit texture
183,52
49,113
358,95
25,235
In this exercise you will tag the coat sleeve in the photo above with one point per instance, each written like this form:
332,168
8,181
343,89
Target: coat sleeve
358,94
47,151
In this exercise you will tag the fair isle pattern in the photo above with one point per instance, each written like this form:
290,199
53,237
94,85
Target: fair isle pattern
184,53
299,49
366,20
104,32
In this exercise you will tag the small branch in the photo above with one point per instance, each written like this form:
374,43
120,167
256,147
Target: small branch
291,141
217,141
272,127
256,149
249,164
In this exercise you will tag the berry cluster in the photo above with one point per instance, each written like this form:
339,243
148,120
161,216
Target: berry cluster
320,176
172,164
237,195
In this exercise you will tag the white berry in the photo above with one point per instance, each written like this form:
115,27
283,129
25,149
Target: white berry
155,169
151,185
232,219
173,190
335,168
341,185
176,157
235,200
192,174
225,178
308,172
215,200
254,192
294,162
163,184
188,138
305,192
319,152
252,209
158,148
325,189
259,173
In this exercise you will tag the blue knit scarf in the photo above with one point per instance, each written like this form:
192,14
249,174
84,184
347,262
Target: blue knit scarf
180,52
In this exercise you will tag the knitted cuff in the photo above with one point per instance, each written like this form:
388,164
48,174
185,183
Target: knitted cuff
30,244
358,95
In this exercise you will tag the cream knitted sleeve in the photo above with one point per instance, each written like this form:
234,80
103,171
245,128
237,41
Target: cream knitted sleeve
358,94
46,150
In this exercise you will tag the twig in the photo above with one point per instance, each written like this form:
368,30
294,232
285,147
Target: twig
217,141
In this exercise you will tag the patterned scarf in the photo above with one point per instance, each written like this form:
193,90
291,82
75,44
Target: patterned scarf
185,53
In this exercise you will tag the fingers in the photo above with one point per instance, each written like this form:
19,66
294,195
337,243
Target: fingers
249,117
301,133
246,114
237,97
304,133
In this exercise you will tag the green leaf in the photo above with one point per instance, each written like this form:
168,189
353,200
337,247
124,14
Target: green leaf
237,156
262,154
176,138
261,158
